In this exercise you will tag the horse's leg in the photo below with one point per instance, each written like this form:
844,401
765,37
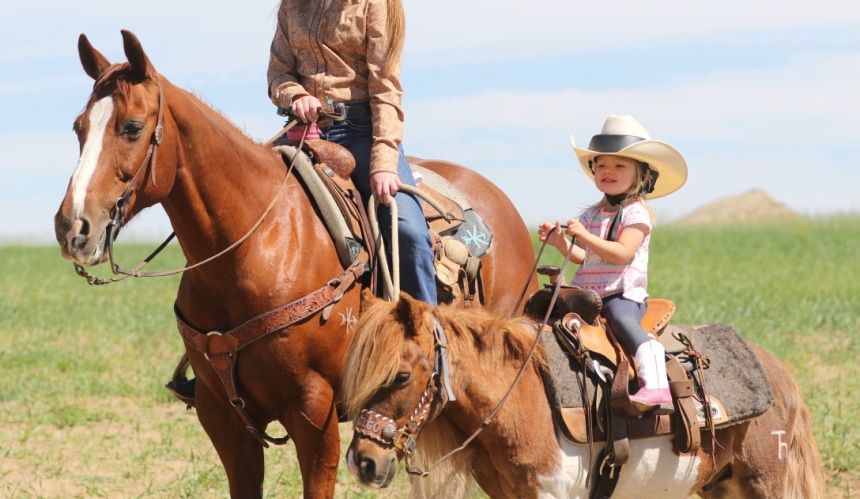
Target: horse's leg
313,425
776,455
240,453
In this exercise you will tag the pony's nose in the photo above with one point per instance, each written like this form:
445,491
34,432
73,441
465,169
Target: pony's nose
367,469
78,234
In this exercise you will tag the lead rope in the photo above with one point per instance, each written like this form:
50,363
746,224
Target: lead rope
391,284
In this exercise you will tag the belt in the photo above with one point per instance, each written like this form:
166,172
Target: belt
335,111
350,110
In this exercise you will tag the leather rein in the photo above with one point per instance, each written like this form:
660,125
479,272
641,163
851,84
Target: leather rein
119,215
221,348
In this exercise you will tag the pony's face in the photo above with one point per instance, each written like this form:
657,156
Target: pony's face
394,365
116,131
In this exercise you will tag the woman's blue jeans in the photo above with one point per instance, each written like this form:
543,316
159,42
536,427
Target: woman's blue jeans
417,274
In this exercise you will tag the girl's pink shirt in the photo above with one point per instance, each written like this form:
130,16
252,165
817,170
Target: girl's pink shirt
630,279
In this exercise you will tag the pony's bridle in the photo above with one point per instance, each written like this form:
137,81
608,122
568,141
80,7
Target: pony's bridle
384,430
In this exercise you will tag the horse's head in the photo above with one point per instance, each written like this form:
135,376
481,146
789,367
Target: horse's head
118,133
389,384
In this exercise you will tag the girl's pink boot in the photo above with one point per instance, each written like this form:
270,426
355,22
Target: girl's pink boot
653,396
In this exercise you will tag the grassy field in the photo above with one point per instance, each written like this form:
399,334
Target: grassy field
83,411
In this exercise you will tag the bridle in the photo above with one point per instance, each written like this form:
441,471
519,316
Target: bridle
384,430
119,214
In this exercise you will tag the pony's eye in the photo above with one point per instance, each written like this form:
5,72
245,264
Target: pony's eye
132,130
402,378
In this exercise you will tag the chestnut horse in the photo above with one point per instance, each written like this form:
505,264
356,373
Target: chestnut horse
215,184
394,380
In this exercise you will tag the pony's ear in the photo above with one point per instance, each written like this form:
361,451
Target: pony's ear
94,63
367,298
410,312
141,68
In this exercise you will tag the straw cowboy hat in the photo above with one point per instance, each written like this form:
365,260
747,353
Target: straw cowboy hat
624,136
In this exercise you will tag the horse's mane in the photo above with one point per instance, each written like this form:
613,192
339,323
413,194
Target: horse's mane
373,351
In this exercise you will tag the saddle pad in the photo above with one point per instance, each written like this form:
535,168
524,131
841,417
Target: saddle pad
736,377
331,215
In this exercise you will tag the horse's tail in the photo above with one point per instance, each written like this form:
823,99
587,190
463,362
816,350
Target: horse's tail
802,476
803,469
450,477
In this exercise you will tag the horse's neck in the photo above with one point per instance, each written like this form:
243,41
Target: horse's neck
486,383
224,180
522,429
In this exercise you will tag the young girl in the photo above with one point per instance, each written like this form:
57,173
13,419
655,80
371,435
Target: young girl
612,236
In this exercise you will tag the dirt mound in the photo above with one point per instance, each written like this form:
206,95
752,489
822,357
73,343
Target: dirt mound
751,207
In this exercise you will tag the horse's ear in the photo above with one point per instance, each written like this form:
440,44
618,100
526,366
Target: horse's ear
367,298
94,63
410,311
141,68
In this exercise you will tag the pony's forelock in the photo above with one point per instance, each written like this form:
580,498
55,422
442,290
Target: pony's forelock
373,356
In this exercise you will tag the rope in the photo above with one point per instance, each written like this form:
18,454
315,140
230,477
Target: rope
391,284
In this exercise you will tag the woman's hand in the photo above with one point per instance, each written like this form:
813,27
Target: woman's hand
306,108
384,185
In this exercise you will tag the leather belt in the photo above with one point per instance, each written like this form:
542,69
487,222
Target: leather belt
350,110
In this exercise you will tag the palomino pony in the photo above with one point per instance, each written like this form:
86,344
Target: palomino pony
216,185
425,379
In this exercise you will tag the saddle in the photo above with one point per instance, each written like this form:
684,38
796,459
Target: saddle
589,376
324,169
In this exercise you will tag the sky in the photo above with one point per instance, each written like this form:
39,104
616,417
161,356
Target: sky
756,95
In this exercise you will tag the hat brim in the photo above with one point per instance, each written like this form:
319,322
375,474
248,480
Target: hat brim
660,156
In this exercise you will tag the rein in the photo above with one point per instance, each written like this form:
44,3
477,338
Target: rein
368,422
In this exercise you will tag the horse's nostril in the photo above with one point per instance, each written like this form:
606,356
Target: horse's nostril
367,469
78,234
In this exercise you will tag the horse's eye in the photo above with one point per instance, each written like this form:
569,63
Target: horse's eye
132,130
402,378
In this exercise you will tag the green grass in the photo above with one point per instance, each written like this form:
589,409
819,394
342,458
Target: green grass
83,411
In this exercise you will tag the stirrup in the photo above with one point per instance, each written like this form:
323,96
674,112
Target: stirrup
179,385
183,389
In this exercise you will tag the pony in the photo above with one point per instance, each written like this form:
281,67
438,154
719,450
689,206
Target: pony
457,395
258,254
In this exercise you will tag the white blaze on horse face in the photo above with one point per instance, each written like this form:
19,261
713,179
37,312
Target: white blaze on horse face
99,118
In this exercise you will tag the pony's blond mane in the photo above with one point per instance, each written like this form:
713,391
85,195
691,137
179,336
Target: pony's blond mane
475,338
373,351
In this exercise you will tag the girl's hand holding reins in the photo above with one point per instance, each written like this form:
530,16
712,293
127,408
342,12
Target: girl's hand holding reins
575,229
552,234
